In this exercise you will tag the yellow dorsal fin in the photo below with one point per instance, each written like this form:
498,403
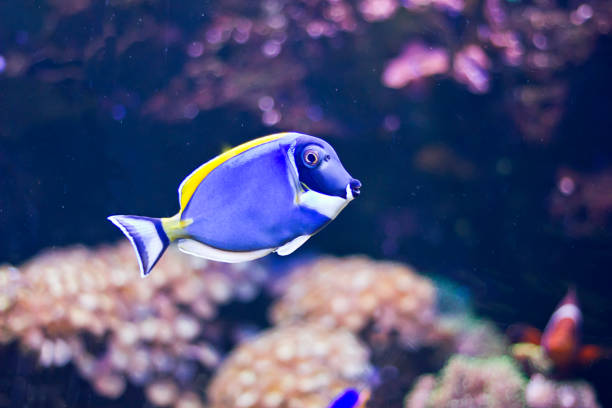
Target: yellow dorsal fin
191,183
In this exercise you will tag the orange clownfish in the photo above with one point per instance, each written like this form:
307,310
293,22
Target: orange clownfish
561,339
562,335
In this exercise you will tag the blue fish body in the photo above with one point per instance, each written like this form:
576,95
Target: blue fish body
267,195
249,203
347,399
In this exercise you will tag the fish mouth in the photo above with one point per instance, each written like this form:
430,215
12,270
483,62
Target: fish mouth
355,186
353,189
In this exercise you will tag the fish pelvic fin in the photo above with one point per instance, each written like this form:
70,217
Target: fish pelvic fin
148,237
292,245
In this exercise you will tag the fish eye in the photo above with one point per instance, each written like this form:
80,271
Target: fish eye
310,157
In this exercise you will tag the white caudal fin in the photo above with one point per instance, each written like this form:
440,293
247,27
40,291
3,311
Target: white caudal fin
147,237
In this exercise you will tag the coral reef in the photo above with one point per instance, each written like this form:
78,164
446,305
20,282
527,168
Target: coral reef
91,308
357,293
261,56
544,393
471,383
416,62
466,335
163,334
293,366
421,392
532,357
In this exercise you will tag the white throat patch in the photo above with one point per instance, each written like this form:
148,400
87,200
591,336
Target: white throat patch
329,206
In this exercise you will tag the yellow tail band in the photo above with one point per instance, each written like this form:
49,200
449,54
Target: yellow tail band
174,227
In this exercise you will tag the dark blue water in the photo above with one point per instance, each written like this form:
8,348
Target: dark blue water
78,142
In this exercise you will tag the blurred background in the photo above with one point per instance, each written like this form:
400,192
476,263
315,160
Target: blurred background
480,130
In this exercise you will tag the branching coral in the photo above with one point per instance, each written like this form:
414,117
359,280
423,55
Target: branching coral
296,366
493,382
355,292
160,332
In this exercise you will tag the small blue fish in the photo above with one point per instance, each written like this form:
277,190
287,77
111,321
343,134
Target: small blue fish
350,398
267,195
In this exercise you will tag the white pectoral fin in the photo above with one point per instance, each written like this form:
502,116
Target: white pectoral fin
292,245
195,248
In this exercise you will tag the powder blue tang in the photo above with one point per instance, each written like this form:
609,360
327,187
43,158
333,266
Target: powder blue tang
267,195
350,398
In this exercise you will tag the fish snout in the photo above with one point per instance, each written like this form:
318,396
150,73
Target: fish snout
355,186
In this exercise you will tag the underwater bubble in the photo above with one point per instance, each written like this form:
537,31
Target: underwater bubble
241,37
315,29
277,22
540,41
377,10
272,6
214,36
265,103
391,123
566,185
190,111
195,49
271,117
585,11
271,48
